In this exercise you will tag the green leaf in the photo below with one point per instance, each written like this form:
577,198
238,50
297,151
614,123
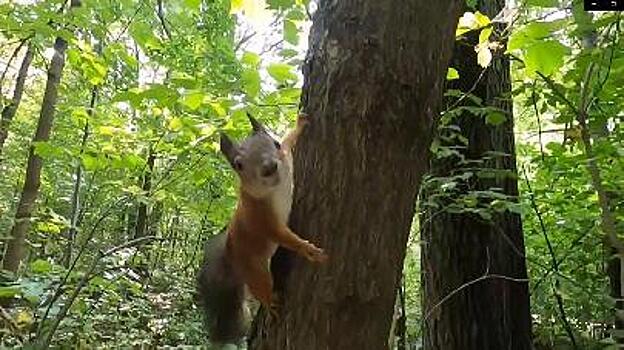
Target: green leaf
193,4
9,291
143,34
543,3
91,162
184,80
495,118
471,21
296,15
45,149
288,53
485,34
176,124
291,33
281,72
193,100
40,266
236,6
161,93
251,59
527,35
545,57
280,4
250,79
452,74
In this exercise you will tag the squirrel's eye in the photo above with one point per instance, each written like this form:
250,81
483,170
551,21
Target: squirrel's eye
238,165
277,145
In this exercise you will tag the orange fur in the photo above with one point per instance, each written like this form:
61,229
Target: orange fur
255,231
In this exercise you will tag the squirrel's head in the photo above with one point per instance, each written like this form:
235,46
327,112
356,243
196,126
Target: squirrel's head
257,160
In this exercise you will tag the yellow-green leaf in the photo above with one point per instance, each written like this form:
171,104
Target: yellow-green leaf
452,74
485,34
291,33
281,72
545,57
175,124
193,100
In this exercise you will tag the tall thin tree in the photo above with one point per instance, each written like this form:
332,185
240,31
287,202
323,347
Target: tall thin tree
15,248
8,112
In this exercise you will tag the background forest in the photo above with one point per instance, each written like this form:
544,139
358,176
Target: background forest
111,178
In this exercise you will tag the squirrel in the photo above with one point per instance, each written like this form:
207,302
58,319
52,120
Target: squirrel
240,257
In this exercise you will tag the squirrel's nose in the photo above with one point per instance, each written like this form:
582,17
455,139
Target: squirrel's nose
269,167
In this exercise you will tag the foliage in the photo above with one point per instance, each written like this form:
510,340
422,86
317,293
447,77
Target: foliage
144,80
148,85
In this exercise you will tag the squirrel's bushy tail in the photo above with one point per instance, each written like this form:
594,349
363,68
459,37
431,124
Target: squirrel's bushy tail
221,295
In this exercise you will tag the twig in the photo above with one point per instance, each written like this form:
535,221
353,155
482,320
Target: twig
83,281
59,289
607,218
555,263
486,276
161,16
243,40
8,63
539,121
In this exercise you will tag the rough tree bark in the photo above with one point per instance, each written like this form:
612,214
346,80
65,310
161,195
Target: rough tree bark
15,247
8,112
373,82
458,248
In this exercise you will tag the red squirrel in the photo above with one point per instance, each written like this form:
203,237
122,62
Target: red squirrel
240,258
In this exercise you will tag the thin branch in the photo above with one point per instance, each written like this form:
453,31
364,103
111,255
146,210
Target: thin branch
553,87
467,93
59,288
539,121
243,40
555,263
83,282
161,16
486,276
10,61
607,218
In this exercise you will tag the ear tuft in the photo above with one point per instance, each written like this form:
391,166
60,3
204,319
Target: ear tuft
228,148
255,124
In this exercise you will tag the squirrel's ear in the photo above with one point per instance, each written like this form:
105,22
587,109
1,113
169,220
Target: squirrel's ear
255,124
228,148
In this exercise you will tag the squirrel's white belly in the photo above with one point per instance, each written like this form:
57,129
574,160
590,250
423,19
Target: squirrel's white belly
282,195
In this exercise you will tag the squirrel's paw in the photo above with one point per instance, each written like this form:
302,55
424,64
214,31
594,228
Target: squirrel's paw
314,253
274,308
302,120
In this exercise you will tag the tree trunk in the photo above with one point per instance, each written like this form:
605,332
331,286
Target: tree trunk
75,197
15,247
8,112
373,82
459,248
142,222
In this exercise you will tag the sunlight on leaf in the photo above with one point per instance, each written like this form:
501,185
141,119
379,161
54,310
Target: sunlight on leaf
484,55
471,21
193,100
545,57
452,74
281,72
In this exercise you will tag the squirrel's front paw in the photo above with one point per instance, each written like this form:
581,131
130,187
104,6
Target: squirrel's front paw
275,306
314,253
302,120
